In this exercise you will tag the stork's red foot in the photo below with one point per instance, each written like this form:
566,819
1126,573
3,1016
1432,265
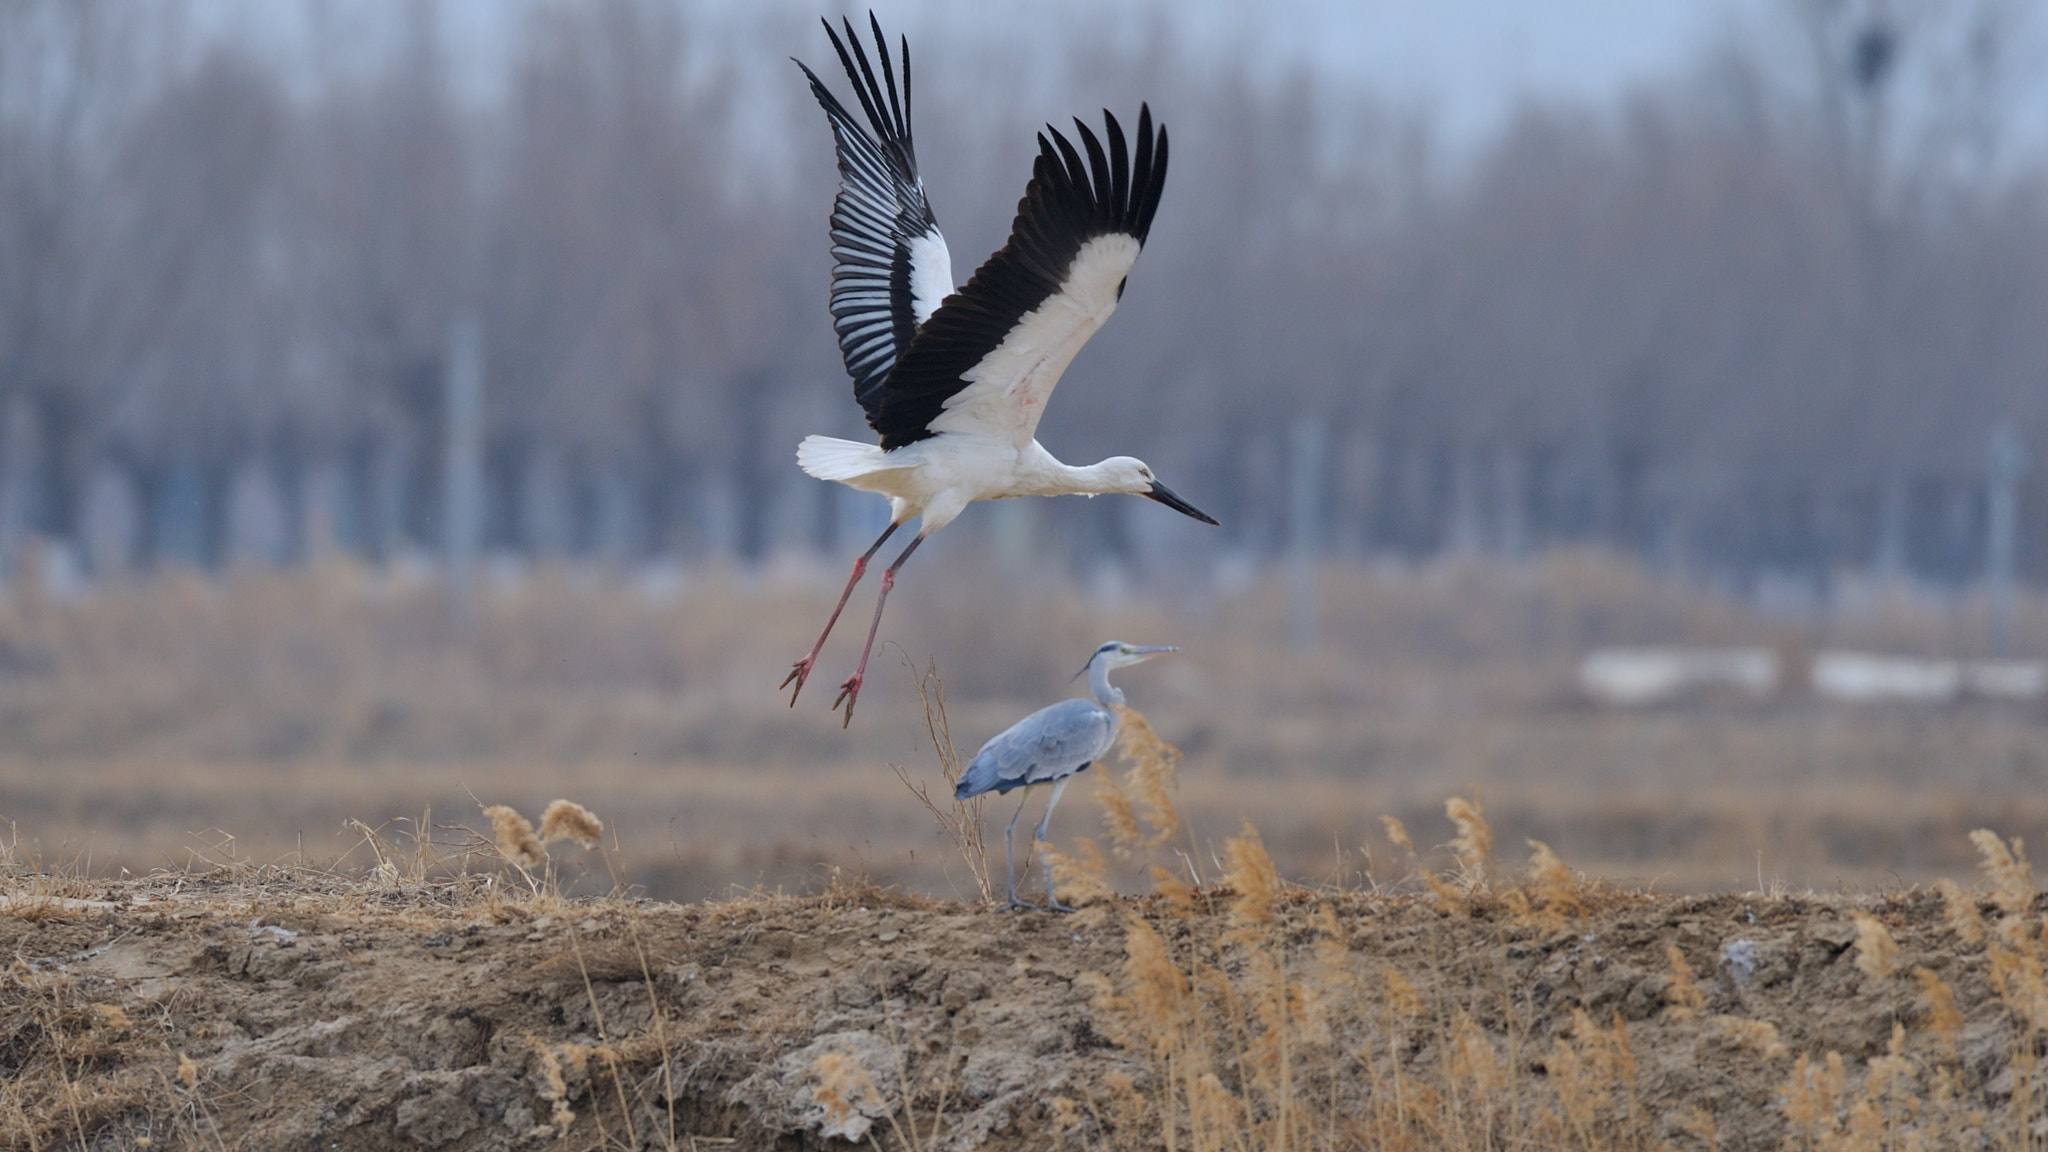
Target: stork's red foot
800,673
848,693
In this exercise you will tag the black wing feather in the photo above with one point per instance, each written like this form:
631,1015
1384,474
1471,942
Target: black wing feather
880,209
1069,202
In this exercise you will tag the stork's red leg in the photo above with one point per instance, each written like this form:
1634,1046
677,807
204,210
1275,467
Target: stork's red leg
802,671
850,691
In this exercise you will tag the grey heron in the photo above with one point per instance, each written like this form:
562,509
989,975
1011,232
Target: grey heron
1049,747
954,381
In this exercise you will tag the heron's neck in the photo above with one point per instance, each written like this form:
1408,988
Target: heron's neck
1106,694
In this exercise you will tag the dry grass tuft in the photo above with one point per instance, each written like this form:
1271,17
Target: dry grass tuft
513,834
1402,995
1809,1098
568,820
1593,1071
1877,953
1758,1036
1938,1007
2017,975
1684,993
1120,816
2012,878
1251,877
1152,773
1081,876
1553,890
1473,845
1181,897
1398,833
1959,909
1159,993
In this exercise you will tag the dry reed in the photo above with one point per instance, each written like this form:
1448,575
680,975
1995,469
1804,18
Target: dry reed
1959,909
2012,878
568,820
513,835
1082,876
1684,993
1473,845
1938,1007
1877,954
959,820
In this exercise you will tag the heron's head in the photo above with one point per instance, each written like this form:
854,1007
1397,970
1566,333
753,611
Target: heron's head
1117,654
1130,474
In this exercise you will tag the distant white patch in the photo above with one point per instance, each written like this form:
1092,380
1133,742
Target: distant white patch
1006,392
1639,676
931,273
1632,677
1863,677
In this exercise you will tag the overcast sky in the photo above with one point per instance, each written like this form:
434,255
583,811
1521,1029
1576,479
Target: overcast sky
1463,63
1469,61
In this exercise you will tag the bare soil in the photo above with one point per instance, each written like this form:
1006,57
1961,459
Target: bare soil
310,1012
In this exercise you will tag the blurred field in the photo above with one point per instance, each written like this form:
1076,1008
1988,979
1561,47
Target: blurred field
178,719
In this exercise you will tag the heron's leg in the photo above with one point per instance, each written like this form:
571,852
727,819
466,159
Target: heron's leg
1010,852
1052,901
850,691
802,671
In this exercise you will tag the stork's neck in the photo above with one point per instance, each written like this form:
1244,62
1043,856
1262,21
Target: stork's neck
1046,475
1106,694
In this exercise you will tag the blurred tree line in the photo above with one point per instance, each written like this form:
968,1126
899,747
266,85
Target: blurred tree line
1765,317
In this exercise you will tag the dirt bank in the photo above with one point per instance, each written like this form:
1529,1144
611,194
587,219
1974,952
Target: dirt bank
317,1012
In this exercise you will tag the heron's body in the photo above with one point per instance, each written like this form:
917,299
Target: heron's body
954,381
1051,746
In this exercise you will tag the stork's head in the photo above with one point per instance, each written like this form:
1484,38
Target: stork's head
1132,475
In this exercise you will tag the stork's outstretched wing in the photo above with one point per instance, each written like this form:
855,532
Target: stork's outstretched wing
988,358
890,267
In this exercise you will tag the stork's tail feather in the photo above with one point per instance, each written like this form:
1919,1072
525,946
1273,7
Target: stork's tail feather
828,458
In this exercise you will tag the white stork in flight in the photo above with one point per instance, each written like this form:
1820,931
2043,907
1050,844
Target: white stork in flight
954,381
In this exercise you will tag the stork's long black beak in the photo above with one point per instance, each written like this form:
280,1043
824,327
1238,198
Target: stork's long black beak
1164,495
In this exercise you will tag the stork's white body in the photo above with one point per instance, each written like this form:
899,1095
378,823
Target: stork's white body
956,381
933,481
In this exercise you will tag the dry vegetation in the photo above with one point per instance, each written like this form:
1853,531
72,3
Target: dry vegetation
151,724
457,999
1288,940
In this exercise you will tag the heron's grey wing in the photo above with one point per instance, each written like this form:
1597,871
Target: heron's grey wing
890,266
1046,745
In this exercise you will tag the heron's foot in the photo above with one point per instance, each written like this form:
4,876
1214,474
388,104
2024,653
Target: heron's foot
1016,904
848,693
800,673
1052,904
